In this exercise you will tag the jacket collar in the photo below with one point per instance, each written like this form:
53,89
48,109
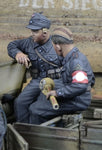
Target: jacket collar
69,55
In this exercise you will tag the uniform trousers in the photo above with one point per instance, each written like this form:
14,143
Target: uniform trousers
25,102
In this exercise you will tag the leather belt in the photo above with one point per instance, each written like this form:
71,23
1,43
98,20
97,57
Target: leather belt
52,73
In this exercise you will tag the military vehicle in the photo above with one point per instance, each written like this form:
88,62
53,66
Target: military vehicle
82,131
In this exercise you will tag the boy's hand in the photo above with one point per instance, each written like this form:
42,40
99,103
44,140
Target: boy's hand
22,58
51,93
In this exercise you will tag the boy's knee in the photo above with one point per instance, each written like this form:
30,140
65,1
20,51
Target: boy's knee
32,110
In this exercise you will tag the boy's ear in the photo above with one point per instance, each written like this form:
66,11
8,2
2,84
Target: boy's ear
45,30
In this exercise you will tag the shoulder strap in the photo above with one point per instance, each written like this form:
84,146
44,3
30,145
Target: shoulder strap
45,59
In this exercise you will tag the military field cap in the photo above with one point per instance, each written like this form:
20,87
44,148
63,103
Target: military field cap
63,32
38,21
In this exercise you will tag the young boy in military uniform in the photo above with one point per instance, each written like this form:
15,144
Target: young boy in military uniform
39,51
77,74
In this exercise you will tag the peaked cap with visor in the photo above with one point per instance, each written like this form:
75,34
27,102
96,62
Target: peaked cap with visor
38,21
63,32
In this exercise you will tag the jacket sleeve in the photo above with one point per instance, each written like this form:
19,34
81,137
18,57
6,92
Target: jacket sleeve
78,81
17,46
72,90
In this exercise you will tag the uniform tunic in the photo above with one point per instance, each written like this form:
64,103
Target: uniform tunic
32,91
73,95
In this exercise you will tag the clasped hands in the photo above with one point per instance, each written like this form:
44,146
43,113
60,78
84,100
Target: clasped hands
22,58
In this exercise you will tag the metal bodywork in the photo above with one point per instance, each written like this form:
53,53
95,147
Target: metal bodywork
37,137
47,138
11,80
14,140
91,138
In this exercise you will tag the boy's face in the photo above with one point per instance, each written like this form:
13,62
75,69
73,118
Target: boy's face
58,49
62,49
37,36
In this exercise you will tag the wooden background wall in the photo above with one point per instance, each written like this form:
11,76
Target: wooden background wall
83,17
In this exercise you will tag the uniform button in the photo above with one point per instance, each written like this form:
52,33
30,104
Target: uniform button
59,93
51,59
43,74
39,50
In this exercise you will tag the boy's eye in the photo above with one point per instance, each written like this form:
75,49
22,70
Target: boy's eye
35,31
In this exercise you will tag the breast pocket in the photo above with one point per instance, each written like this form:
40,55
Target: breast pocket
32,56
51,58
